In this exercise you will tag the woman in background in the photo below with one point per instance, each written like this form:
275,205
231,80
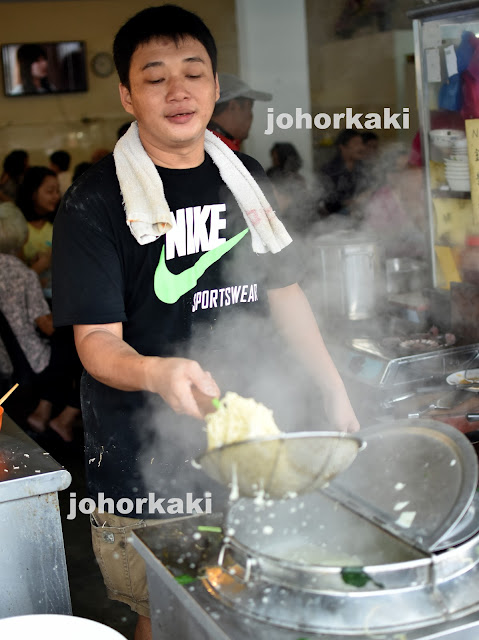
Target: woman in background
38,199
49,352
286,161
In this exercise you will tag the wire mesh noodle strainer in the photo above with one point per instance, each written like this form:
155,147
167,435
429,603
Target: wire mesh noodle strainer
281,466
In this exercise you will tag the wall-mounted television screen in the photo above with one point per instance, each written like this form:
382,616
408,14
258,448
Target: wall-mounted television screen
41,68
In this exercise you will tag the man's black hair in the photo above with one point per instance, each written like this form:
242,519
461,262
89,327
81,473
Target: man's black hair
61,159
168,21
345,136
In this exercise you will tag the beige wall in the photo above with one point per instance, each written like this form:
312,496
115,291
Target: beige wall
367,72
85,121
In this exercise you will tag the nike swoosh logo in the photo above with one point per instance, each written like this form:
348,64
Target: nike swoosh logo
169,287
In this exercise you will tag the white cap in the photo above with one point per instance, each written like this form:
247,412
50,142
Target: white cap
232,87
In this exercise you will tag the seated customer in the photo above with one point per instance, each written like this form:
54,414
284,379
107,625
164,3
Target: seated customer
28,314
38,199
343,175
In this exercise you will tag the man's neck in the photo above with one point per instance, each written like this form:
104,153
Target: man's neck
182,157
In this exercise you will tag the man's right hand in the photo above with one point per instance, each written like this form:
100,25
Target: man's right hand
109,359
183,385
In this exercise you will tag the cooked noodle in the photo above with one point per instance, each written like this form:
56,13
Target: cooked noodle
239,419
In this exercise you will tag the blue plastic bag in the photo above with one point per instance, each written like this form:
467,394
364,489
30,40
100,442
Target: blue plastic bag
450,94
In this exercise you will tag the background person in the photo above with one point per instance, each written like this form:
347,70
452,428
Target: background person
233,113
285,160
14,167
80,168
60,163
38,199
344,177
53,362
371,145
296,203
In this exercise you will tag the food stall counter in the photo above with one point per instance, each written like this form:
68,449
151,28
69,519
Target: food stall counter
33,572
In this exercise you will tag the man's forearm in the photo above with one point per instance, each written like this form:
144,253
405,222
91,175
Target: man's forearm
112,361
109,359
295,319
293,315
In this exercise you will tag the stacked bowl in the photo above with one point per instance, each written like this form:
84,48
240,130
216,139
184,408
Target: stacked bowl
457,167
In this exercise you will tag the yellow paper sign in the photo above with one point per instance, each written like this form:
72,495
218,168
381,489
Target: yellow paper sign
472,135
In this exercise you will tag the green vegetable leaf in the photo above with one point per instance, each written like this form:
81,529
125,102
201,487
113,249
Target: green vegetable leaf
184,579
357,577
354,576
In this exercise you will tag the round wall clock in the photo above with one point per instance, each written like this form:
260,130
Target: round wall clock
102,65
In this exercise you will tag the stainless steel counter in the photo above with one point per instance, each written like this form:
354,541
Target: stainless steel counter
33,573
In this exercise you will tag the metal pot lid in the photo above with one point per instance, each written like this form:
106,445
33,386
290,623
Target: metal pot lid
415,478
466,528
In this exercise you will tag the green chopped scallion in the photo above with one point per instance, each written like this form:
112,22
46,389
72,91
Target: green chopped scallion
185,579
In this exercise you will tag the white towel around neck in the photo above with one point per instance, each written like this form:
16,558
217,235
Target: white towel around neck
148,214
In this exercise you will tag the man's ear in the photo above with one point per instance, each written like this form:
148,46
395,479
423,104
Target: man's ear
217,87
125,97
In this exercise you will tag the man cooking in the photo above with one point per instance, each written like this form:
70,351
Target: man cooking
169,238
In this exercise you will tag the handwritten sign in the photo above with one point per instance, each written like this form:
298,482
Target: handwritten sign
472,135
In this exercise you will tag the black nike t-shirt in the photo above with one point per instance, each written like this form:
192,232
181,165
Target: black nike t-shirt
191,293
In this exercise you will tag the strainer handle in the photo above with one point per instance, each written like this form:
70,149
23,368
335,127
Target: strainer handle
250,562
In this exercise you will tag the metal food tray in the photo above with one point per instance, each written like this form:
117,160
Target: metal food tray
373,364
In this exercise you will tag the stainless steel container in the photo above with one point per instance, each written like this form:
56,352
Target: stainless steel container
347,275
404,275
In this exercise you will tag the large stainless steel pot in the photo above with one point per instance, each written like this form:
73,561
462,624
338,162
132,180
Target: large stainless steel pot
367,554
347,275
